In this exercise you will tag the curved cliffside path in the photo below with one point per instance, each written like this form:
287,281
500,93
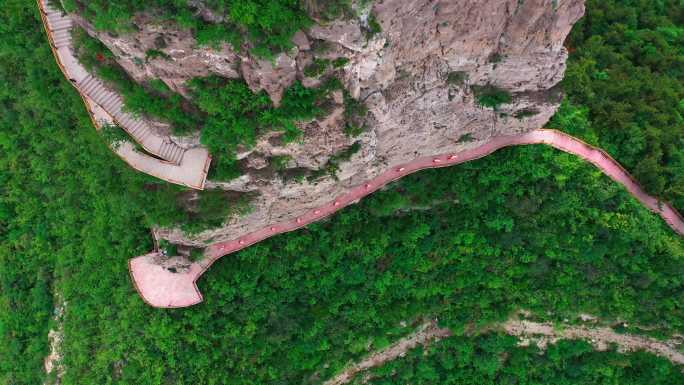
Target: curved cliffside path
187,167
161,288
599,337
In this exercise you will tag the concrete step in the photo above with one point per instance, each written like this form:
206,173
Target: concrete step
87,88
117,105
63,21
61,24
61,39
166,152
126,121
91,88
62,42
85,80
88,84
144,134
178,154
61,27
107,98
135,125
139,127
164,149
119,114
173,153
112,103
98,94
61,33
54,17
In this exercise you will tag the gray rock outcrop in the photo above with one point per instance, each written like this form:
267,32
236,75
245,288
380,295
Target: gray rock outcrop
416,77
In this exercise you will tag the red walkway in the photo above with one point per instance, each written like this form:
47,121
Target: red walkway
161,288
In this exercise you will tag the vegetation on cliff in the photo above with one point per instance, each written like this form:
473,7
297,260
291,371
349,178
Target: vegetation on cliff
236,116
268,25
226,111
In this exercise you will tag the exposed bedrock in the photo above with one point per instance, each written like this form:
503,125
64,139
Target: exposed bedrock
416,77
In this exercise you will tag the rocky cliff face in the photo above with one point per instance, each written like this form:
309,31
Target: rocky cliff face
416,77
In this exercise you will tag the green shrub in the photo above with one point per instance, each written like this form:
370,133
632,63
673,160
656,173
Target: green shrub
114,135
373,27
456,78
526,113
465,138
333,164
279,162
167,248
353,130
316,68
635,116
328,10
354,113
153,99
196,254
498,358
151,54
340,62
491,96
495,58
267,24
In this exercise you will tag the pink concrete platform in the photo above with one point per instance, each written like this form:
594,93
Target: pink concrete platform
161,288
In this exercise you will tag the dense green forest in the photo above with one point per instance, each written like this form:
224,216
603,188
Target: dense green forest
526,227
495,359
626,75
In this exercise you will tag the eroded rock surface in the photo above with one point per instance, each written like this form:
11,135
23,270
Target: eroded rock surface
416,77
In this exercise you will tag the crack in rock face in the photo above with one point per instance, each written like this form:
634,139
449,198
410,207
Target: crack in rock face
416,77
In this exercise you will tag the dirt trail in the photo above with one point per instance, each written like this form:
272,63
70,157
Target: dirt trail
600,337
425,333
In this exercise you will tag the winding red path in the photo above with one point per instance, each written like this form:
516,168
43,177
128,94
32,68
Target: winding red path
162,288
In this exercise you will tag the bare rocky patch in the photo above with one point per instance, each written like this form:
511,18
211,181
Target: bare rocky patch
53,362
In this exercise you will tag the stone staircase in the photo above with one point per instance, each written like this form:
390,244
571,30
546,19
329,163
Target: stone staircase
58,27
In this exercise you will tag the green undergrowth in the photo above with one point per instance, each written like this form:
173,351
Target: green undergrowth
496,359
